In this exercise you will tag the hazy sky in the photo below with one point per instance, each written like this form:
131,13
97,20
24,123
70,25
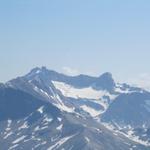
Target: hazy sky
75,36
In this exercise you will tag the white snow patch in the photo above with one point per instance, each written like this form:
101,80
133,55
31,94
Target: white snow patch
37,128
38,71
7,129
119,90
62,106
36,146
60,142
87,139
47,119
60,127
44,93
88,93
24,126
14,146
19,139
7,135
40,110
129,134
59,119
55,138
40,128
41,91
45,127
90,110
9,123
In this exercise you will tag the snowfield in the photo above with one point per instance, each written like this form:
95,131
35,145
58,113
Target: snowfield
84,93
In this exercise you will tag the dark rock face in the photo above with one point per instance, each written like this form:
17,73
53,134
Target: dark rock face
15,104
129,109
105,82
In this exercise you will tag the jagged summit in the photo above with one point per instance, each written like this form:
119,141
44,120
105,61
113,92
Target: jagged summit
44,69
105,81
38,70
42,73
106,75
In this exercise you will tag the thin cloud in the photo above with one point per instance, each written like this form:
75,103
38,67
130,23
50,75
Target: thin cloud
143,81
70,71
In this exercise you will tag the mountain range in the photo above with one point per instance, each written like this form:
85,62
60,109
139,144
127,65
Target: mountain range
47,110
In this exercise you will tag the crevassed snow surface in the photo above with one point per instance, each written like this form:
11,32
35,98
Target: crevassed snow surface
88,93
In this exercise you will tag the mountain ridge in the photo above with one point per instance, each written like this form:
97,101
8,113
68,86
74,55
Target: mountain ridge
89,104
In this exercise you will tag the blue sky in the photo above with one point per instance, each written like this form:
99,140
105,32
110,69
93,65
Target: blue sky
75,36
